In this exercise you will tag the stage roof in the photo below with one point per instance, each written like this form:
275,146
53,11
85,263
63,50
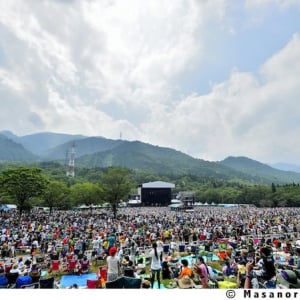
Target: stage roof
158,184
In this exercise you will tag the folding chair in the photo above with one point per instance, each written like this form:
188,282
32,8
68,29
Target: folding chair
55,266
166,248
92,284
85,266
194,249
71,266
12,278
3,282
69,256
23,280
46,283
7,268
181,248
103,273
35,276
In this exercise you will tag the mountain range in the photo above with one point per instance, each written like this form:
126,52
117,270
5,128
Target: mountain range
102,152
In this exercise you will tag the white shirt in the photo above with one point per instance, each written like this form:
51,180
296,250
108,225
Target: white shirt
155,263
112,264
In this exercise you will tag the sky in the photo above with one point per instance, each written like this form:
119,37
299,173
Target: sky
210,78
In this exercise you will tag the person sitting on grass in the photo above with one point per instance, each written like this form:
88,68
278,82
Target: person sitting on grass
129,270
185,270
202,272
140,267
166,271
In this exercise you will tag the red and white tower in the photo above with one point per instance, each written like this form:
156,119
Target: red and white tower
70,163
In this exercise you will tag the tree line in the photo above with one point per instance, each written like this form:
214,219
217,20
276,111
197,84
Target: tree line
47,185
28,187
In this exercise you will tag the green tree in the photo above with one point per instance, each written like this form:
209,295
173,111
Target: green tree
116,186
55,195
22,184
86,193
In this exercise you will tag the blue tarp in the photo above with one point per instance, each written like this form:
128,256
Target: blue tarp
68,280
3,207
7,207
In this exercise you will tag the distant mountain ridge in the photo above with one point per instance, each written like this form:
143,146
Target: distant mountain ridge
13,151
138,155
258,169
286,167
40,143
101,152
83,146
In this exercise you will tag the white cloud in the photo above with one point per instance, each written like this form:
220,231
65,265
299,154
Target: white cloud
105,67
242,116
10,81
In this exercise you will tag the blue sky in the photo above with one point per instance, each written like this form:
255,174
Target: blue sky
209,78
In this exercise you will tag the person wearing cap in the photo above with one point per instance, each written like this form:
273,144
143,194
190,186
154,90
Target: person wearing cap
113,264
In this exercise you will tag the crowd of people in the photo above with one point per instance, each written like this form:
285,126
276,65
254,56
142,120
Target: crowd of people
115,240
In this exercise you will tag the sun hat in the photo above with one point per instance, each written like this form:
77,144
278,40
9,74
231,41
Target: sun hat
146,284
288,278
185,282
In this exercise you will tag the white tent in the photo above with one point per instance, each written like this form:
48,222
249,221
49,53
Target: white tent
176,201
175,205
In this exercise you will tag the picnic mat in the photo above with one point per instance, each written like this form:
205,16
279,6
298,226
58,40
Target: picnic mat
68,280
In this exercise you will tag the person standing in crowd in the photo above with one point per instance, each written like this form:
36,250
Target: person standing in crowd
111,240
113,264
156,259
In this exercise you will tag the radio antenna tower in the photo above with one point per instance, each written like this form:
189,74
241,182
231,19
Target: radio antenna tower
70,172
